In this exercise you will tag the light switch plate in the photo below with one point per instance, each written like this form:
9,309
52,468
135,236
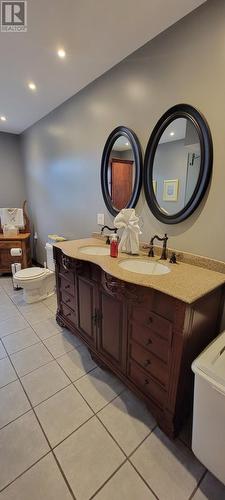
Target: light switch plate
100,219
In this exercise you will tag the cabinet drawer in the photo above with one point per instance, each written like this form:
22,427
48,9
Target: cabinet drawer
68,313
7,245
150,340
157,368
145,383
68,300
67,274
67,286
154,322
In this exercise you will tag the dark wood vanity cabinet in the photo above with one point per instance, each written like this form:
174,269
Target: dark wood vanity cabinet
111,340
145,337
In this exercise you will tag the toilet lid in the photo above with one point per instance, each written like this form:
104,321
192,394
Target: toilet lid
31,273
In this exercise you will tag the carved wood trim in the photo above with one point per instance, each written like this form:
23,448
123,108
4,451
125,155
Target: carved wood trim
60,320
120,289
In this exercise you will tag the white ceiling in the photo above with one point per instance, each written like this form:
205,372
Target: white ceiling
96,35
177,128
122,144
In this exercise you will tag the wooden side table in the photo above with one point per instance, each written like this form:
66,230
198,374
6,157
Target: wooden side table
6,243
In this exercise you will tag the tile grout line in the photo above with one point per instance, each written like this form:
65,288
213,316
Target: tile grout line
64,476
50,447
22,473
143,479
95,414
127,460
51,450
107,480
42,341
198,484
143,440
127,457
14,420
19,350
32,408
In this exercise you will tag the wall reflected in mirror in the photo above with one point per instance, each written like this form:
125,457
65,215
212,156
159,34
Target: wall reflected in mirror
121,172
176,166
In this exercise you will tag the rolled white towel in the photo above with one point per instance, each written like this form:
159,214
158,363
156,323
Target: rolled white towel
128,220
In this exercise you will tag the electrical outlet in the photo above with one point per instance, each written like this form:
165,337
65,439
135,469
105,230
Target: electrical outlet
100,219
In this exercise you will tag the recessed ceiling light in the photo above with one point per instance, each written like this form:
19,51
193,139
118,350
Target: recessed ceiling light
171,133
61,53
3,118
32,86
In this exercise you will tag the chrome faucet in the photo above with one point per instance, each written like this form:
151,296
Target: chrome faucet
114,229
164,249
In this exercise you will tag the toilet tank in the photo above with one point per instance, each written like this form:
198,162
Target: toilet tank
49,254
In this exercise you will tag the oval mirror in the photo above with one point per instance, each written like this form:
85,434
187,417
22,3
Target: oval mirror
178,164
121,170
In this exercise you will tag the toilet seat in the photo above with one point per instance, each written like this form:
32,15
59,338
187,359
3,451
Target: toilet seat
31,273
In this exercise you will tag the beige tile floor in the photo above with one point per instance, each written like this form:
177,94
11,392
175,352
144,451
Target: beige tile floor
69,430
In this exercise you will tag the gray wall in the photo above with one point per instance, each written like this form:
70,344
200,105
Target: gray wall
63,151
12,185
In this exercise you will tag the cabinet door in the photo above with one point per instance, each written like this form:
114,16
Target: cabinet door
112,329
87,312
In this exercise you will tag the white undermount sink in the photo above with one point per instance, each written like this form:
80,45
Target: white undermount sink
144,267
94,250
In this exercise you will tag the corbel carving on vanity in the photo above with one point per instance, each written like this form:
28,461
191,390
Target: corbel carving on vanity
121,289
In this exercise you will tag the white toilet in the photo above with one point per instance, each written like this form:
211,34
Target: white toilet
38,283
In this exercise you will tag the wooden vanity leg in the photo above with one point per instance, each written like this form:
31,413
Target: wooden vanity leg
60,321
98,362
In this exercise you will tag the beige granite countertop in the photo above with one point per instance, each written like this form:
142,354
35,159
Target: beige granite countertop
186,282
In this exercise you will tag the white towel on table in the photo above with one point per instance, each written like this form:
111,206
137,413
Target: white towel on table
12,216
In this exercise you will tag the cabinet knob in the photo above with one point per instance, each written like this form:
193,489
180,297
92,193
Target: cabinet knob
149,341
68,314
67,301
147,362
67,286
146,381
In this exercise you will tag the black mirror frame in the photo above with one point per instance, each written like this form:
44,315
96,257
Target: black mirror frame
131,136
206,144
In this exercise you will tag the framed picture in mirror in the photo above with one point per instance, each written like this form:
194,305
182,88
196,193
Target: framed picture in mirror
170,190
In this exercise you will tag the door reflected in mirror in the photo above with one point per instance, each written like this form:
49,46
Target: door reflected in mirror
176,166
121,173
121,170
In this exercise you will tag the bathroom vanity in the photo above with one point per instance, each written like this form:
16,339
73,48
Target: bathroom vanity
145,329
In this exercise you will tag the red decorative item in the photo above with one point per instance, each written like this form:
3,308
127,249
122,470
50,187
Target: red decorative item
114,246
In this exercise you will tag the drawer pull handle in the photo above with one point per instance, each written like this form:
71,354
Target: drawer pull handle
146,381
150,320
147,362
149,341
67,286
